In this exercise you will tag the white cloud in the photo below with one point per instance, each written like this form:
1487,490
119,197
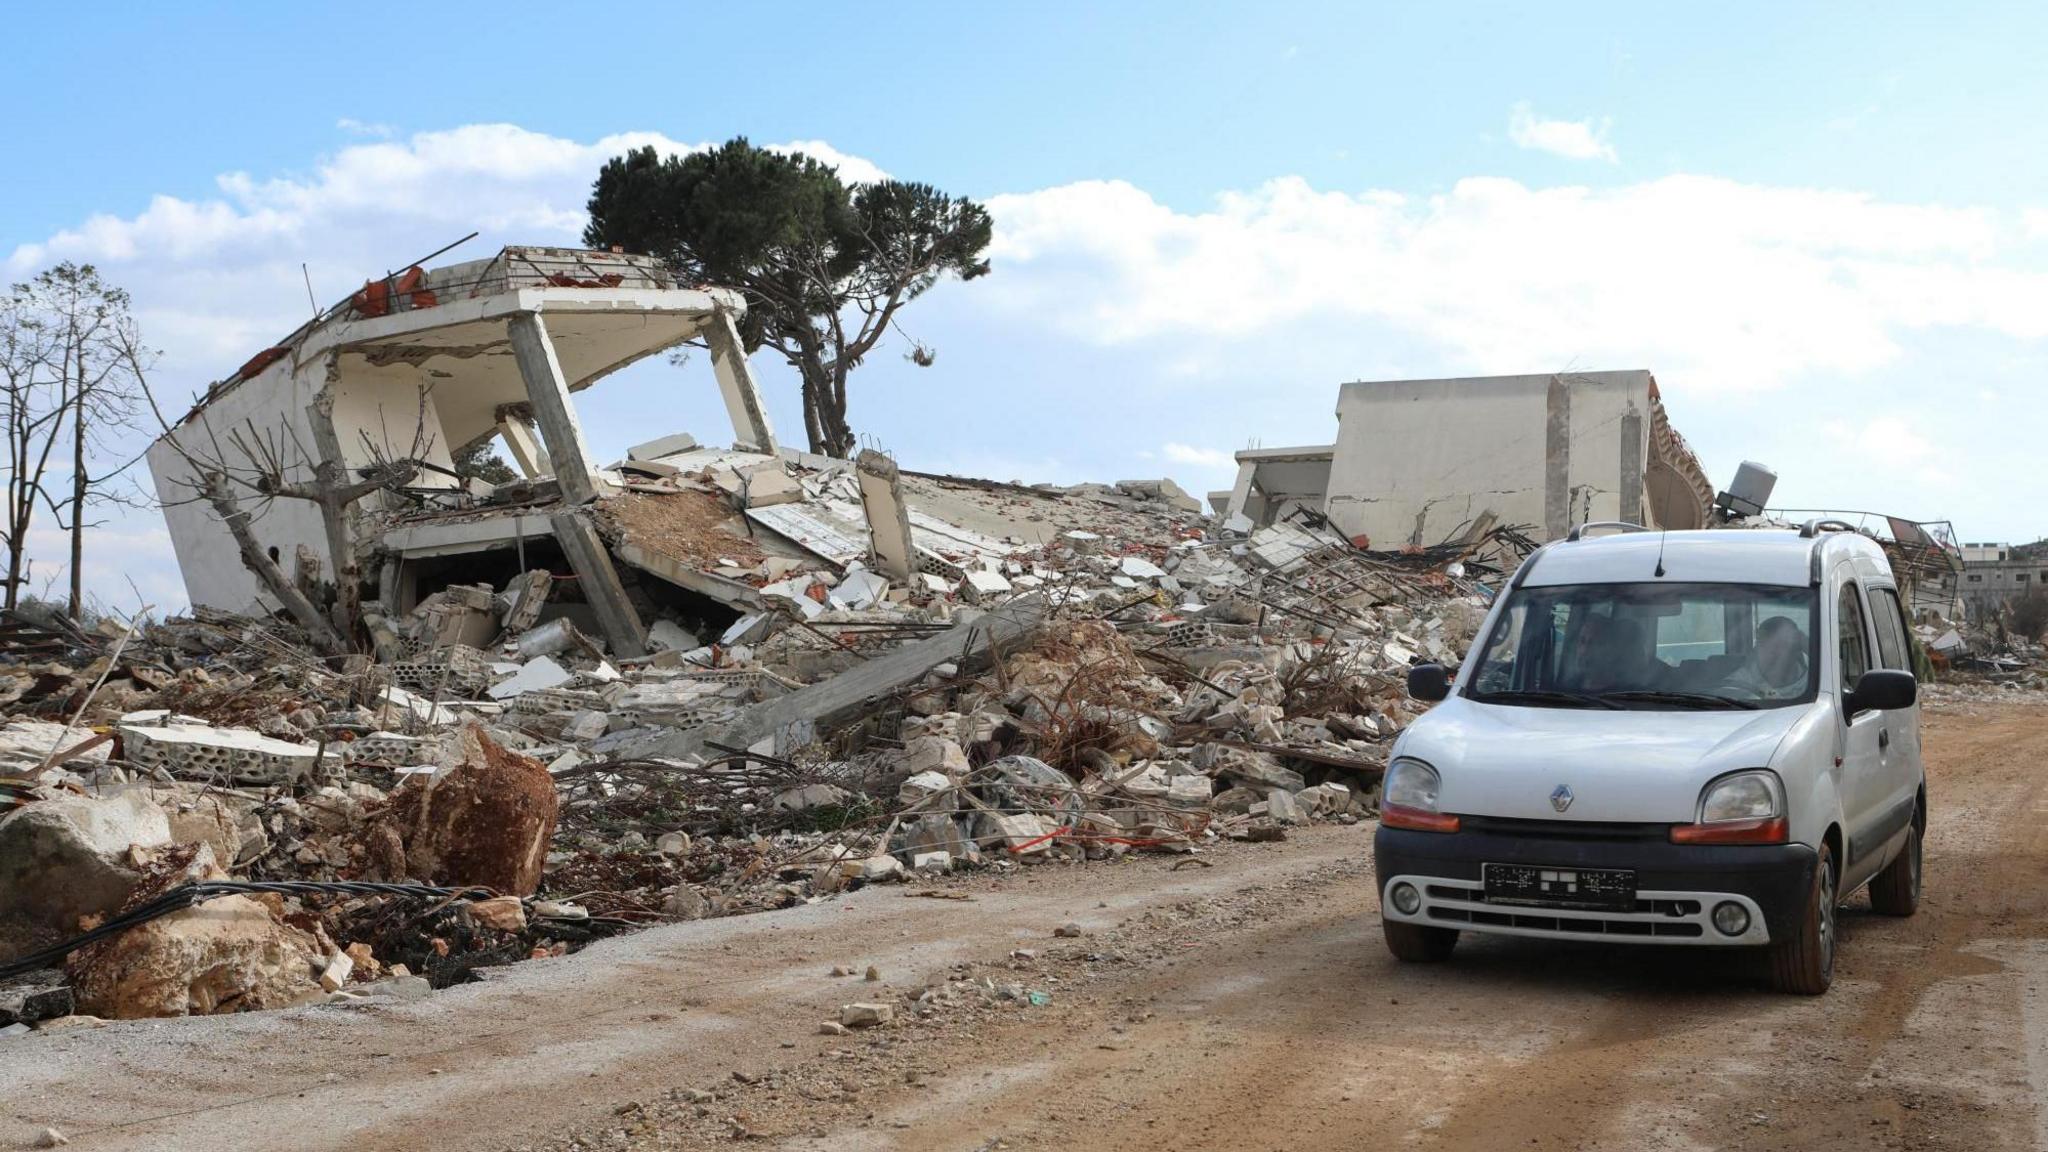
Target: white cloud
1732,286
1212,458
1889,444
216,279
355,127
1571,139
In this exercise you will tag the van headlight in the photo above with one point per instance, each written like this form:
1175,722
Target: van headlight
1409,798
1739,808
1743,796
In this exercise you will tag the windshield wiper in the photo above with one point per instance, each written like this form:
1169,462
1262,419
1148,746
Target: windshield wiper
1699,699
1546,696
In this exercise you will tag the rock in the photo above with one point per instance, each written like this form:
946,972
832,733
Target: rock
933,833
1069,929
499,913
206,820
923,784
397,988
1260,832
337,971
51,1138
1023,833
810,796
586,726
1234,801
1193,790
876,868
1282,807
559,910
35,997
932,861
13,1030
673,844
873,974
229,954
933,754
686,903
484,820
834,1028
65,859
865,1015
365,961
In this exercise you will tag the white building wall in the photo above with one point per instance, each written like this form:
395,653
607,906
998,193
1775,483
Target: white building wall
1416,459
207,557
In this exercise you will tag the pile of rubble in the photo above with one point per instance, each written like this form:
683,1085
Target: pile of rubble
1150,689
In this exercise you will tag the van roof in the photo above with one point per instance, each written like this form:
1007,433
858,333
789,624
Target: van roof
1711,556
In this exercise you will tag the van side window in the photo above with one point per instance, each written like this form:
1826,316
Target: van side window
1891,630
1855,646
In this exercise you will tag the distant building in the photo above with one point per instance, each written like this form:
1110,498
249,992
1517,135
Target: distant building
1994,575
1418,462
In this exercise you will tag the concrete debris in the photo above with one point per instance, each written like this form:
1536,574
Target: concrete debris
727,680
500,914
865,1015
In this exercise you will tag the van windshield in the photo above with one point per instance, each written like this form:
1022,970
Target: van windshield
1662,646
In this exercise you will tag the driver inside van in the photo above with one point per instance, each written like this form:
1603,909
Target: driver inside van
1776,668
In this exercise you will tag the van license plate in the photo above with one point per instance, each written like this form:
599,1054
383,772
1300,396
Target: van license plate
1606,888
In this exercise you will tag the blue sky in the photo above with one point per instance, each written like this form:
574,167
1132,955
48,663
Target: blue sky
1822,228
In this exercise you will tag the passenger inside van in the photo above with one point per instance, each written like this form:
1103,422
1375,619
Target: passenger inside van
1776,669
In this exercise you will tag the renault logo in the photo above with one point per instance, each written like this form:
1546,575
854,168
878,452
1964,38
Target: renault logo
1562,798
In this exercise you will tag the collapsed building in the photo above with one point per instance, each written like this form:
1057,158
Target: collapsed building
699,680
1417,462
419,368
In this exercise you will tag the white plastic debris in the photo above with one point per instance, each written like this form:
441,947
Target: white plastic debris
535,675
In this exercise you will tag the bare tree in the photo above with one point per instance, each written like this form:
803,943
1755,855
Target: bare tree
73,367
33,405
240,473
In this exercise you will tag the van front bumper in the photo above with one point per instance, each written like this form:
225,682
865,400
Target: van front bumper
1678,886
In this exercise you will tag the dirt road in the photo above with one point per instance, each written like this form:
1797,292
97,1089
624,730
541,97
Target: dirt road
1248,1004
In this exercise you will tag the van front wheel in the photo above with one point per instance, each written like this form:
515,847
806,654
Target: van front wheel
1419,943
1805,964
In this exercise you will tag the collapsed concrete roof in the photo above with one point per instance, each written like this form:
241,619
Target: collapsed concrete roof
419,367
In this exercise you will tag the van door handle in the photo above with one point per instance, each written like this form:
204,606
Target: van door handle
1884,737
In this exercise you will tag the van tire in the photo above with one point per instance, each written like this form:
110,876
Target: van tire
1419,943
1805,964
1896,890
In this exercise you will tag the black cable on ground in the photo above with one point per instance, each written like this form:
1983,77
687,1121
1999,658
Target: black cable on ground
186,895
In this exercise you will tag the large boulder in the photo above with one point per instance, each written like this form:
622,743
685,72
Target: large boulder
228,954
484,820
66,859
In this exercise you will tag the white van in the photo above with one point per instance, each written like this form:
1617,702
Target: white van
1706,738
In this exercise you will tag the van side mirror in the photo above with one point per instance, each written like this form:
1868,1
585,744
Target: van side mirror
1879,690
1429,682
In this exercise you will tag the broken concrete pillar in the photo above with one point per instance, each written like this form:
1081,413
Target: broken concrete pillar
549,394
600,582
881,494
750,427
527,454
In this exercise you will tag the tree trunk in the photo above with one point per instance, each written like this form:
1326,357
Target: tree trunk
824,418
318,629
79,482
